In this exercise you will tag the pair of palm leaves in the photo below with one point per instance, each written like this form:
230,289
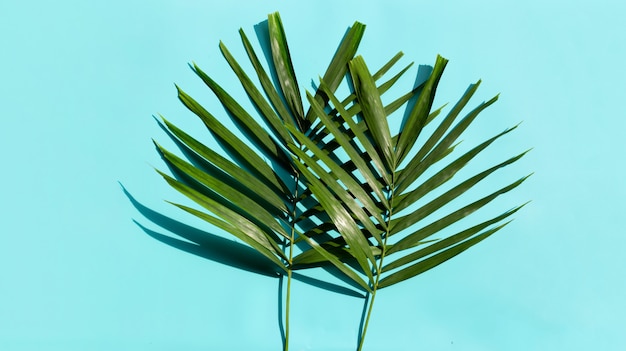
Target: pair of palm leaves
332,186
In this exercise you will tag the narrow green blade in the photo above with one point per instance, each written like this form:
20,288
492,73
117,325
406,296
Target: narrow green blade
417,166
253,130
417,118
243,224
447,122
246,179
338,66
251,208
449,241
284,68
414,238
435,260
372,109
242,151
268,87
445,174
262,248
268,114
437,134
399,102
402,223
387,66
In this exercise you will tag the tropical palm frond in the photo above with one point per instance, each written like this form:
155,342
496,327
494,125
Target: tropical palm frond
380,206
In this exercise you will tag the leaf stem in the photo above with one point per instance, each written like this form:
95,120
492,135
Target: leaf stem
287,303
367,319
380,263
290,262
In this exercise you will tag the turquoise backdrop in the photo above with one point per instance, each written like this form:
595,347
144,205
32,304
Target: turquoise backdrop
80,81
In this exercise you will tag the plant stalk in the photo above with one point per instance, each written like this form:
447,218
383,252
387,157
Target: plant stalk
287,304
380,265
290,262
367,319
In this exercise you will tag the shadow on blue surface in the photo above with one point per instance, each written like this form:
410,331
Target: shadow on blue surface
221,250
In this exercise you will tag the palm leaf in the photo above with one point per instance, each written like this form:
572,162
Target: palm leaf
363,135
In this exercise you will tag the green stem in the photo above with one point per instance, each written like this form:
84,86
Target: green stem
290,262
367,318
287,303
380,264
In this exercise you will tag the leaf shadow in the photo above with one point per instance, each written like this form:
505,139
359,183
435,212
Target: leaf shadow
227,252
200,243
221,250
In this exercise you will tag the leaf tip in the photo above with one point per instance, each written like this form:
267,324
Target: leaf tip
179,90
441,60
525,203
527,151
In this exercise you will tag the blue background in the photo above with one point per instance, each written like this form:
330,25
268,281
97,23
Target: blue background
80,80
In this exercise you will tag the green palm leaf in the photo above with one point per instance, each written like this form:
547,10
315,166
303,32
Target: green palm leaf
378,186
